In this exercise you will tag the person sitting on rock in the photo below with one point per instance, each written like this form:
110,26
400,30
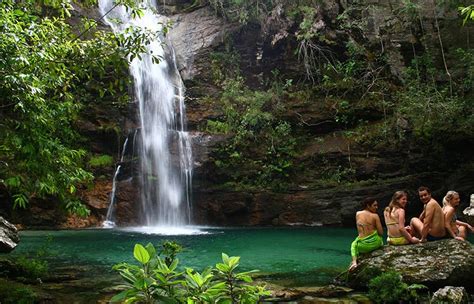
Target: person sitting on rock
454,227
394,216
430,225
370,231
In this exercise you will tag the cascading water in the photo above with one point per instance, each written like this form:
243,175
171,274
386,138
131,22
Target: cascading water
165,184
109,218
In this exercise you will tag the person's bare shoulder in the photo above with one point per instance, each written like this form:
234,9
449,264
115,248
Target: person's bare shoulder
374,215
433,204
448,210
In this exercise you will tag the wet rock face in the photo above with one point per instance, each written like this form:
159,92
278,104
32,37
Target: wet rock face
435,264
302,205
8,236
327,207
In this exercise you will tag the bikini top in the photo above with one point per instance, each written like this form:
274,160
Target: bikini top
391,223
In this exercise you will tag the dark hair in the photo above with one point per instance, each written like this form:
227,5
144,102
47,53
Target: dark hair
368,201
394,202
423,188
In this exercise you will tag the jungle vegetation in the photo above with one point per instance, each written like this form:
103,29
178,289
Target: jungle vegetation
48,78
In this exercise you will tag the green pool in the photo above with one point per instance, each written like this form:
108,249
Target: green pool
291,256
81,260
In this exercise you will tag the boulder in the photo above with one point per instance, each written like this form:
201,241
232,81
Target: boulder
194,36
469,212
434,264
8,236
450,294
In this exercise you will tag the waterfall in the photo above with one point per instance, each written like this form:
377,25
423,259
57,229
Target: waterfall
109,218
164,145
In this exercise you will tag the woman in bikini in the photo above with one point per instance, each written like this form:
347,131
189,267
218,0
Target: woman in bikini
394,216
454,227
370,231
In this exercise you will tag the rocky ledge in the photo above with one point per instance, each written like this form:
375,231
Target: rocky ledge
8,236
469,212
434,264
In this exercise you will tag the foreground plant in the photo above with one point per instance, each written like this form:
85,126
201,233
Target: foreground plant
157,280
390,288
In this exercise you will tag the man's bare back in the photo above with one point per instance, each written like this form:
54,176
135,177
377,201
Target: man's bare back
435,222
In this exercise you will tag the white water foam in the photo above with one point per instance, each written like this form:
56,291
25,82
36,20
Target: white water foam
168,230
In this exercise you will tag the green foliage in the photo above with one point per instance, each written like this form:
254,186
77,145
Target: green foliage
242,11
338,174
467,12
217,127
390,288
312,49
101,161
426,113
157,279
15,293
46,74
169,251
32,267
261,147
466,62
224,65
306,28
436,114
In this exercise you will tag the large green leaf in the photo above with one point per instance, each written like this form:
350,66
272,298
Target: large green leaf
121,296
151,249
141,254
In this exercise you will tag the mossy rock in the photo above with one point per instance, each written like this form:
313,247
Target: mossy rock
434,264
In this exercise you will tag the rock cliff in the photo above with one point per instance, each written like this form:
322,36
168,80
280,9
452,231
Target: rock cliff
315,191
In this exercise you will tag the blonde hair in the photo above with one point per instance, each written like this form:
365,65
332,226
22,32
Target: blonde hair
448,197
394,202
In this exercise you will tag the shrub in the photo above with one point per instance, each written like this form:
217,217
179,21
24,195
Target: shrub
390,288
157,280
101,161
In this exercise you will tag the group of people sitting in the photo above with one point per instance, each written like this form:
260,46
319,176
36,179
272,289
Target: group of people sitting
434,223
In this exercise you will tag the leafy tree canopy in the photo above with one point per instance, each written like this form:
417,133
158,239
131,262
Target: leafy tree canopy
45,68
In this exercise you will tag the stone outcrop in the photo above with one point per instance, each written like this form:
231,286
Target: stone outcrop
9,237
194,35
307,295
450,294
469,212
434,264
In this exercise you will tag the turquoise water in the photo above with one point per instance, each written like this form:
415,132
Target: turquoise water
81,260
292,256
